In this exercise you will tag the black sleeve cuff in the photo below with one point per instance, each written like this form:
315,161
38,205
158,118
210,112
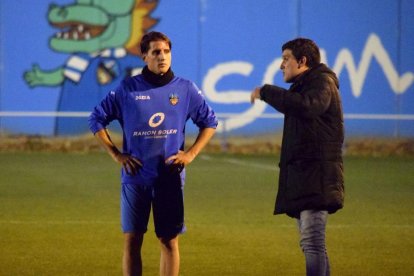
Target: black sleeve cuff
263,92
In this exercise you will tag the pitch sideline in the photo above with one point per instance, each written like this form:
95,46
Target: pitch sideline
239,162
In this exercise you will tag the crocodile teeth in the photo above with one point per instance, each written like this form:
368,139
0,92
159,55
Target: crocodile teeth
76,32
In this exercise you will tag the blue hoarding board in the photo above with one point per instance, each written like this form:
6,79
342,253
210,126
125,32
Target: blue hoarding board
226,47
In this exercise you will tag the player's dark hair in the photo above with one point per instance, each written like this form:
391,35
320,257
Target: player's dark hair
304,47
152,36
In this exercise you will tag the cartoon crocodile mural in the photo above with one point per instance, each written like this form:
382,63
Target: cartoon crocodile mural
102,40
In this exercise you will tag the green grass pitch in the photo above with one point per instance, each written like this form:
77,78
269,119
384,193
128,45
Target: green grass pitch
59,215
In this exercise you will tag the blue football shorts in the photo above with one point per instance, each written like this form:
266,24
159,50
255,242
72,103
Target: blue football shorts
167,201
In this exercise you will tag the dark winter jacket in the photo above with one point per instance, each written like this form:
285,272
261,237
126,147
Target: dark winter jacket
311,166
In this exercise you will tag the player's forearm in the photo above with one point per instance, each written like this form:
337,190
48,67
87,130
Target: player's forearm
202,139
103,137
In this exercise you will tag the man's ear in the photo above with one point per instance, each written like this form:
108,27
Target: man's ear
302,61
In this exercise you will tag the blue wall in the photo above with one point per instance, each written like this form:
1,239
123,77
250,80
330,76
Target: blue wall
228,48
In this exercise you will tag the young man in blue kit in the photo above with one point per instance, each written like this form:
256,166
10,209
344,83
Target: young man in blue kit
152,109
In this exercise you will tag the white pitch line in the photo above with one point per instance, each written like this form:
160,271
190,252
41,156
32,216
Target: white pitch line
408,226
355,226
250,165
59,222
334,226
240,163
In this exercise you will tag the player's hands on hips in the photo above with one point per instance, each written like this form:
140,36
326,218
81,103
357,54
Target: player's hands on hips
255,95
180,160
130,164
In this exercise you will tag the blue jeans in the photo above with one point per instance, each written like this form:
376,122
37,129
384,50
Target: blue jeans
312,225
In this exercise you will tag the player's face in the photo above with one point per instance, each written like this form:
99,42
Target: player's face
158,57
290,66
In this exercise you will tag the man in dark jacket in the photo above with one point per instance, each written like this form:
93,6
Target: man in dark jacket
311,184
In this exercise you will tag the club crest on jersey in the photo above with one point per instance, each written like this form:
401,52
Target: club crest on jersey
173,98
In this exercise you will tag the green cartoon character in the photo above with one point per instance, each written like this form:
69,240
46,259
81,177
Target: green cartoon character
101,38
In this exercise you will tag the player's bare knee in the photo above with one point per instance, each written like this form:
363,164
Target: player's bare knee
133,240
169,243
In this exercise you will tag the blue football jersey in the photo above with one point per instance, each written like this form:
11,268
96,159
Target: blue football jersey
153,121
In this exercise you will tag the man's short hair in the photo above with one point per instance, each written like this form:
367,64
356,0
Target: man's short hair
304,47
152,36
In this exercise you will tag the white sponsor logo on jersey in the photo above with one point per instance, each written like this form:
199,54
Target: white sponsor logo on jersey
156,119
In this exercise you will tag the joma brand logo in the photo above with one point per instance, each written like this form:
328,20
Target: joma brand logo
142,98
